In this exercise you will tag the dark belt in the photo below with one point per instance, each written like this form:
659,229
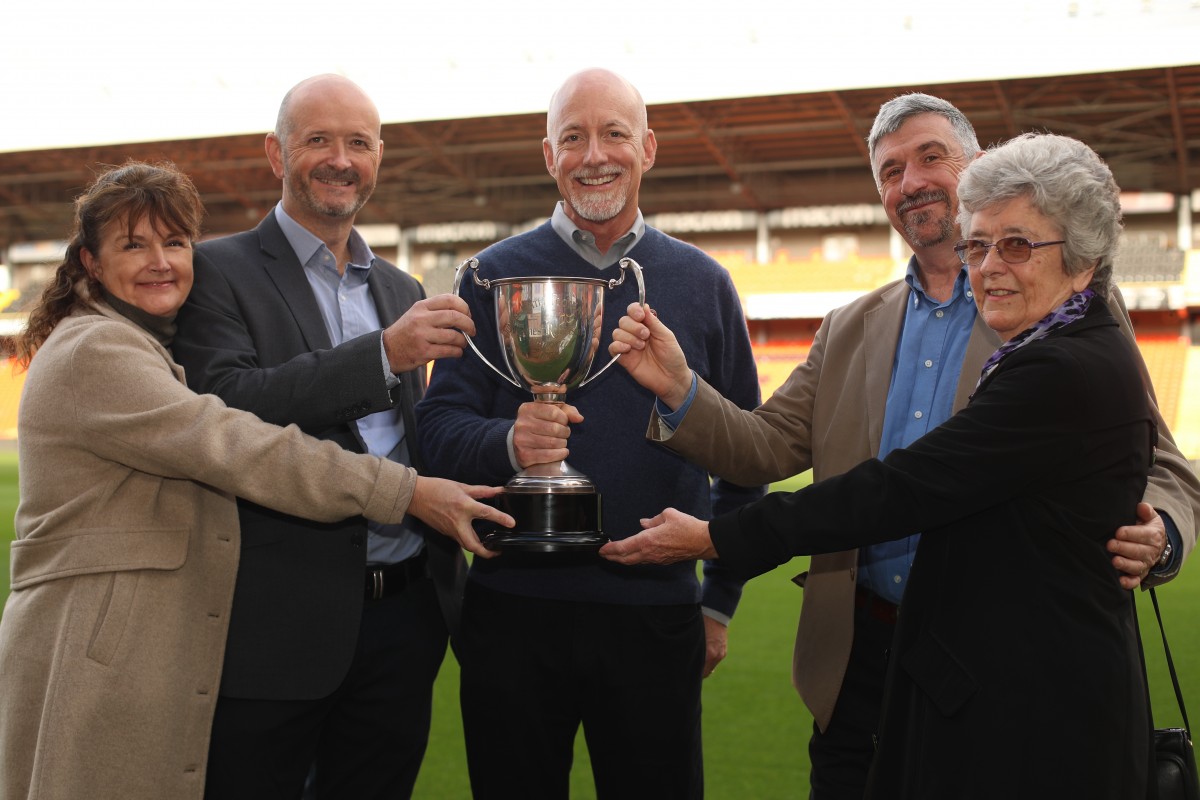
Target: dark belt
875,606
389,579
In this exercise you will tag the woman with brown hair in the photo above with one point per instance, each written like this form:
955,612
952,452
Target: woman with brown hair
112,639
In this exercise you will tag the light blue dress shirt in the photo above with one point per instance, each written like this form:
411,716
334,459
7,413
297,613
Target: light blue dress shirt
584,242
349,311
925,374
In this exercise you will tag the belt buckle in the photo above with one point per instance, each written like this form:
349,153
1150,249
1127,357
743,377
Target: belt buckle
377,584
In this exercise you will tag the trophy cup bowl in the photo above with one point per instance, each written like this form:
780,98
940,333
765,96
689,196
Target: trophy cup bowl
549,331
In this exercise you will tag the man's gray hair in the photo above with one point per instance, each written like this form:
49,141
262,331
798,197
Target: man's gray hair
1067,182
895,112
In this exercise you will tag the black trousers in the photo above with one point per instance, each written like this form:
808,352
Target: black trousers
534,670
366,740
841,756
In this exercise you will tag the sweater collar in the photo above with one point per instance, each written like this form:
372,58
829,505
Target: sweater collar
161,329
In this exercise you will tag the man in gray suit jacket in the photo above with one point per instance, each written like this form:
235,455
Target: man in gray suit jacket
337,630
881,372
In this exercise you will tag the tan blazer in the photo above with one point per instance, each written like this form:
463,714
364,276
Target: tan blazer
112,639
828,415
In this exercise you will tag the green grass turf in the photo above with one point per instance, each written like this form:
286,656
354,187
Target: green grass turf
8,505
755,727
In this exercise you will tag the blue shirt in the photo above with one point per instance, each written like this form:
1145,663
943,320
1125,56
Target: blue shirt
925,372
349,311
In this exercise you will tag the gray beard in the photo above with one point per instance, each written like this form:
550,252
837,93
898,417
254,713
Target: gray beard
915,236
340,211
598,209
302,191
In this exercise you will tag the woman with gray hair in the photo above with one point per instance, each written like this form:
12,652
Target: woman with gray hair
1014,626
1066,182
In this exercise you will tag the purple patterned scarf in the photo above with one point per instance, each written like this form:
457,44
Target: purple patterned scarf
1072,309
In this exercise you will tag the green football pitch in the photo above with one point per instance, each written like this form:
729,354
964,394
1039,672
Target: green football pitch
755,727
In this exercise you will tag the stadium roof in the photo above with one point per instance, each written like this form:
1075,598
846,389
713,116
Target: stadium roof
742,153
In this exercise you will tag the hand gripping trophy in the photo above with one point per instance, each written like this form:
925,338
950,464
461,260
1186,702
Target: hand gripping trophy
549,331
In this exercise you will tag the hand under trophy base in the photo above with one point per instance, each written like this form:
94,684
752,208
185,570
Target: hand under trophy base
549,329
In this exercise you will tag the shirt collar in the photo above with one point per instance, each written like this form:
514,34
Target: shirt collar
305,244
913,278
582,241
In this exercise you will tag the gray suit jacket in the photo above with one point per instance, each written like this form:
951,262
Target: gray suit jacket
251,333
828,415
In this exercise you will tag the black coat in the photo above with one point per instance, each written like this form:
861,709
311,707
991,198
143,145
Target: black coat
1015,669
251,333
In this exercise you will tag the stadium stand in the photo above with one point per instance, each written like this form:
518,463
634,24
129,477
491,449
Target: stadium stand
1147,259
787,273
1187,429
1173,361
775,361
11,384
1166,358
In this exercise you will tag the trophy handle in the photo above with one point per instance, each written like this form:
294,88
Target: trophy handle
473,264
626,263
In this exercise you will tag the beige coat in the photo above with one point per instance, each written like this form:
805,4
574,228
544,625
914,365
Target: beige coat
828,415
112,639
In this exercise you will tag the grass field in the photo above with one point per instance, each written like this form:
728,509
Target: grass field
755,727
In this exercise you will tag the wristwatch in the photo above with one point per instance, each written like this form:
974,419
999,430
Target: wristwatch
1165,558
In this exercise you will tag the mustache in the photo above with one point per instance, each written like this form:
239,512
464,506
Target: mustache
349,175
597,172
921,198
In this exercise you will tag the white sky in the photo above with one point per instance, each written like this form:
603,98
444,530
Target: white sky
77,72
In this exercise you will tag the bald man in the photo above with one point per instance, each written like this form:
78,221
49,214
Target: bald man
337,630
552,642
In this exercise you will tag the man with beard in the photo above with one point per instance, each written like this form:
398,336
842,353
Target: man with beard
882,371
919,344
903,359
554,641
337,630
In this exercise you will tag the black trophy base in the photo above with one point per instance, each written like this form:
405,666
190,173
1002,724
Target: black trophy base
548,522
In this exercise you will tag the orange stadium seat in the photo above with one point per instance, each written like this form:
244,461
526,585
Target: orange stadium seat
11,383
775,361
787,273
1166,359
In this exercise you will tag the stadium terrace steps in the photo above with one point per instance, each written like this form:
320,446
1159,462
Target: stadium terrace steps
787,274
1142,262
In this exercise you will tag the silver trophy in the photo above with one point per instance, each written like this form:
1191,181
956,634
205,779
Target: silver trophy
549,331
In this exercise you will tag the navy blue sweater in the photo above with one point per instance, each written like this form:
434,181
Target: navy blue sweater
464,420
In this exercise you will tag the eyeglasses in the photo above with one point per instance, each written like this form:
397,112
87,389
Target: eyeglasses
1012,249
